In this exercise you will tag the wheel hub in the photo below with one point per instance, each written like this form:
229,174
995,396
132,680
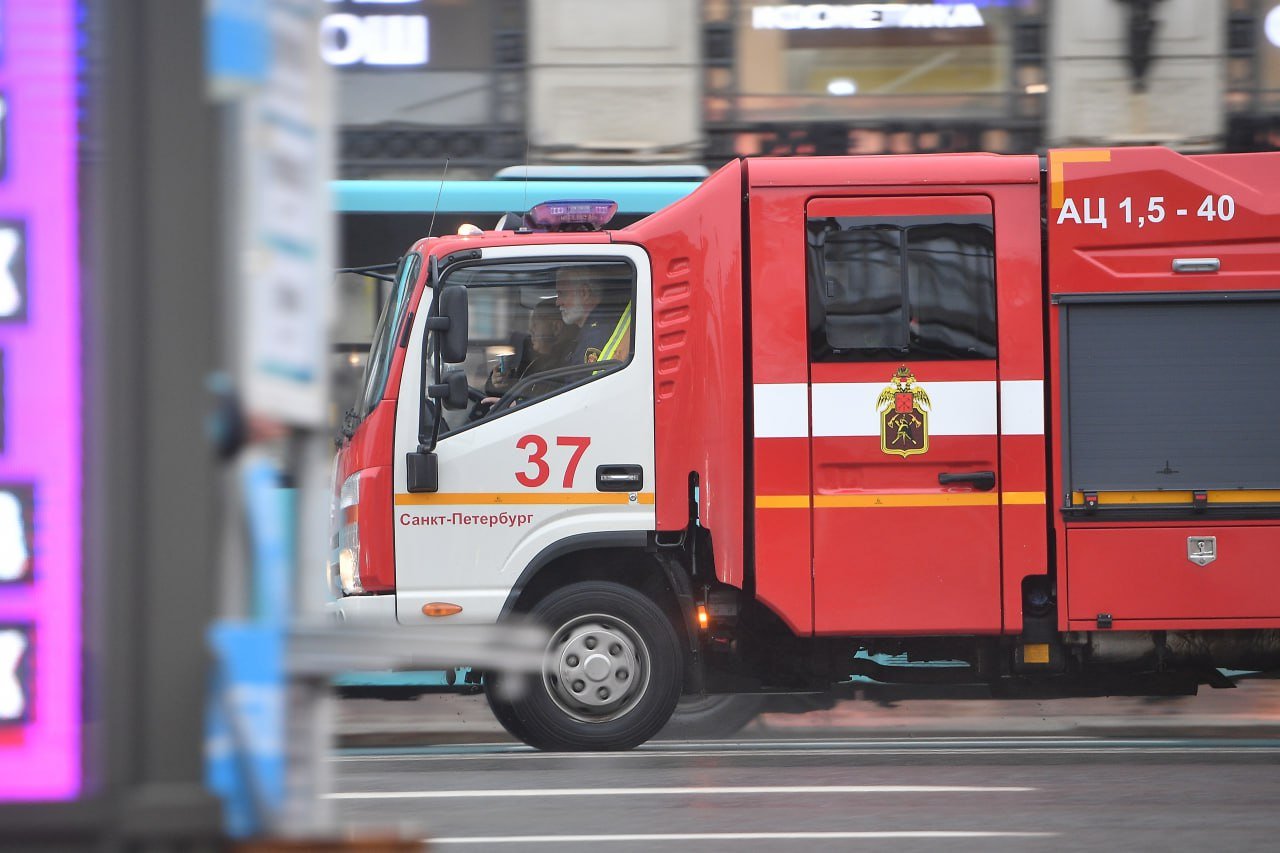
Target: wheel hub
598,668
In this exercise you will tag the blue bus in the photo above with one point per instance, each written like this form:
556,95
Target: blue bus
379,220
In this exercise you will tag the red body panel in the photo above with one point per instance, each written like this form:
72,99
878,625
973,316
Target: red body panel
369,452
377,530
1139,572
928,569
695,247
1143,574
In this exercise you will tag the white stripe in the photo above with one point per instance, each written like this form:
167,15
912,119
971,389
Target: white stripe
781,411
848,409
635,792
733,836
1022,407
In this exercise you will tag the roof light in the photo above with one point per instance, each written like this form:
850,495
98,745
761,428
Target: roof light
572,215
466,229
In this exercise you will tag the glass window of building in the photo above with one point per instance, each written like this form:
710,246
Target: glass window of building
807,61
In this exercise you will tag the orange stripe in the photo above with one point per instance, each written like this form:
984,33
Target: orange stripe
519,498
1057,163
782,501
920,499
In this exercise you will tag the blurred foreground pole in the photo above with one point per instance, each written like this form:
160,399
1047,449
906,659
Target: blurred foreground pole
150,544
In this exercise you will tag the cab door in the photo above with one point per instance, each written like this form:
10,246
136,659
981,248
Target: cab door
904,451
565,462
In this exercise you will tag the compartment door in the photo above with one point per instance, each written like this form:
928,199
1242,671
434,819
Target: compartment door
903,388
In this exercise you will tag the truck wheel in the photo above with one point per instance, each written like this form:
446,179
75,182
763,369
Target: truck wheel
612,675
502,708
712,716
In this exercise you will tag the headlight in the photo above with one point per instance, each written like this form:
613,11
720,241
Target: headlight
349,536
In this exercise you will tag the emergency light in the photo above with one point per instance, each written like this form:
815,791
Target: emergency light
572,215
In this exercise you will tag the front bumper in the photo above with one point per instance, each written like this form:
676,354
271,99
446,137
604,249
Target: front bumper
364,611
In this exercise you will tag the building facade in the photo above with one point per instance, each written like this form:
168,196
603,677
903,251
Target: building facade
493,83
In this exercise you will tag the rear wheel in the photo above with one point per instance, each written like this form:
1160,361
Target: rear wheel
712,715
612,674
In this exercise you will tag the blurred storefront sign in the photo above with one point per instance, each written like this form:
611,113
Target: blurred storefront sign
420,81
41,464
867,16
13,270
436,35
872,77
374,39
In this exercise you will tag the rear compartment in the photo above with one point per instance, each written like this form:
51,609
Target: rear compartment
1164,347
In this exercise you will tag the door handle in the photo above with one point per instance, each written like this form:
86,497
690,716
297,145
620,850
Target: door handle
619,478
982,481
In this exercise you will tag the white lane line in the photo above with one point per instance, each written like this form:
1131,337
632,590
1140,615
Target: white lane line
734,836
684,791
1004,749
835,753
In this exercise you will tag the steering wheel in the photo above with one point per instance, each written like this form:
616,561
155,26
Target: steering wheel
513,395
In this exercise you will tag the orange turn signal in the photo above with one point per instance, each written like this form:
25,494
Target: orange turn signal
440,608
702,617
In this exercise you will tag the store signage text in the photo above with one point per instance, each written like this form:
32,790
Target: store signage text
867,16
395,40
13,271
15,675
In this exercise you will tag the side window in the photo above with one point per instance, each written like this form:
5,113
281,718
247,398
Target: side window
539,329
917,287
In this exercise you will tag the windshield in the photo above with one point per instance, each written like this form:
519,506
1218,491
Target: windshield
386,335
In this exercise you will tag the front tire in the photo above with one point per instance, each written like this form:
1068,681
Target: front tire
503,709
612,675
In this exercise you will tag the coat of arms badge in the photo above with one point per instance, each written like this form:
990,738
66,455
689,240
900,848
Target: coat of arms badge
904,415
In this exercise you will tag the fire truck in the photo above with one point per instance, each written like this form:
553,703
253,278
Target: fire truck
1014,413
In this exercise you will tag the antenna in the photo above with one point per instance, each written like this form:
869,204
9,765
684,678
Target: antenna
526,175
432,227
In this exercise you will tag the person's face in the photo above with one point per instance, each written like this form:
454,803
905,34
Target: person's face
571,298
543,331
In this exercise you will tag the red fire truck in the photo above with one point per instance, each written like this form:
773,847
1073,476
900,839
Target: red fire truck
1011,412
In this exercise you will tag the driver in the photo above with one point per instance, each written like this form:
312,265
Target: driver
604,326
550,341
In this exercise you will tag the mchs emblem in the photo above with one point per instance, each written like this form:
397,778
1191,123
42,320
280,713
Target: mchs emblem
904,415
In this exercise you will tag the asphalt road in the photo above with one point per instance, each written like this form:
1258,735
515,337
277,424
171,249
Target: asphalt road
887,792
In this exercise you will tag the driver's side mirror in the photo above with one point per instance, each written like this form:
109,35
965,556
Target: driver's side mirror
451,322
452,392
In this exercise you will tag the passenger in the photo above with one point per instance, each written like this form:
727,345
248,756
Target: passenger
604,328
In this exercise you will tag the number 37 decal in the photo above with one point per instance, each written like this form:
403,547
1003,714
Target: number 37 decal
537,448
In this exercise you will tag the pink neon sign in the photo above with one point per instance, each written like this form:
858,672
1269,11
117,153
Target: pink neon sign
40,396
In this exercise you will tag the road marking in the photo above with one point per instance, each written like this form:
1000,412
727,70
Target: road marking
831,753
733,836
683,791
914,746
